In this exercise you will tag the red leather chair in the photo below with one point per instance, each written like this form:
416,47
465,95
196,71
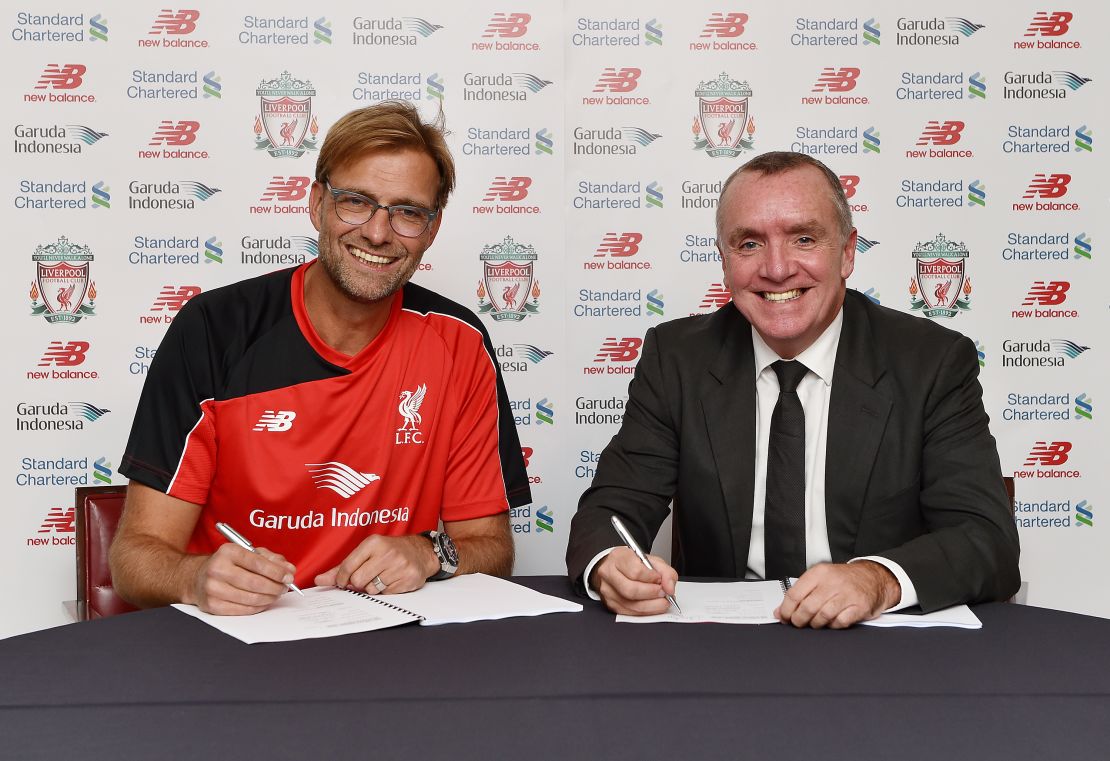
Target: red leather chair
98,510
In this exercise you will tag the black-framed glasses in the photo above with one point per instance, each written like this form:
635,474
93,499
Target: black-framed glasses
356,209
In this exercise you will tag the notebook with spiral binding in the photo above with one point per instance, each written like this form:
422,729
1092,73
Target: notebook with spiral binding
723,602
329,612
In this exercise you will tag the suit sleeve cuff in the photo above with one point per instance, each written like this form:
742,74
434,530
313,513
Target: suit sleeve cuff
590,569
909,592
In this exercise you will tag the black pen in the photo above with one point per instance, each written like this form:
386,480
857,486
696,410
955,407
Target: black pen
234,536
628,540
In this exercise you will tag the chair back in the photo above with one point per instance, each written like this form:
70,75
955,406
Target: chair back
98,510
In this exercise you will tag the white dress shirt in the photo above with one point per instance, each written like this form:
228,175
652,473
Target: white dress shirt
814,391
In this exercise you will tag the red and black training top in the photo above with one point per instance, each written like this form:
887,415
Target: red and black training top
306,451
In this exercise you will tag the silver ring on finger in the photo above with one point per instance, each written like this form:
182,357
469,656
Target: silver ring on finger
379,584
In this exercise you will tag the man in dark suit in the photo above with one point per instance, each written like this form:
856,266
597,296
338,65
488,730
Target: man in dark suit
902,500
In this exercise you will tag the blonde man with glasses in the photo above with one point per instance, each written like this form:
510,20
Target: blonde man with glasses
352,425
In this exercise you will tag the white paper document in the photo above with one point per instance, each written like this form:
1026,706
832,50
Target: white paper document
329,612
754,602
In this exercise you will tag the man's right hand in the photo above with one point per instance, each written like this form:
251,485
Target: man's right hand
233,581
628,587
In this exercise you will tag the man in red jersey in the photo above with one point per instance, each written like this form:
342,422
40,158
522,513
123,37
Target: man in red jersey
334,414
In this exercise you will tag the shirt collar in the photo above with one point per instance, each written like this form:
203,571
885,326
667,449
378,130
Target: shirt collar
819,356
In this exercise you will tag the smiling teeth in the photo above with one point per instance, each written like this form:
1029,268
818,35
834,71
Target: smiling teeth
784,296
368,258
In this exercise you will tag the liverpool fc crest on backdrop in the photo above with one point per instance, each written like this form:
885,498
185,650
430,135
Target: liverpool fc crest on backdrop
285,126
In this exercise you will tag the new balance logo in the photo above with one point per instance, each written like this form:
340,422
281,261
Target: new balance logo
508,25
941,133
60,520
725,25
619,350
526,453
59,77
1048,186
175,22
171,299
1048,293
716,297
1049,453
275,421
618,80
508,189
339,478
622,244
287,188
66,354
836,80
1046,24
175,133
849,183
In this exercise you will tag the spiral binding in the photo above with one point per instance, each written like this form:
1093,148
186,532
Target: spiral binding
380,601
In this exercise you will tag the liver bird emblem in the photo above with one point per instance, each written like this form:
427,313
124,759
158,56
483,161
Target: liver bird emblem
410,408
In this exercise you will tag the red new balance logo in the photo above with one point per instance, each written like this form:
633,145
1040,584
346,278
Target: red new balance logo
1048,186
526,453
1049,453
65,354
171,299
508,189
725,25
619,349
716,297
287,188
60,520
941,133
1046,24
618,80
508,25
175,133
619,244
849,183
1048,293
175,22
836,80
62,77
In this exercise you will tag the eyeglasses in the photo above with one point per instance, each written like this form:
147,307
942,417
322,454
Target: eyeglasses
356,209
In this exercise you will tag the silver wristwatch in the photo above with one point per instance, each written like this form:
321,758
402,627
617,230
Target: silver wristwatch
445,552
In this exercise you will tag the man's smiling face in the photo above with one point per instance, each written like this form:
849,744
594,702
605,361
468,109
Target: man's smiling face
784,255
370,262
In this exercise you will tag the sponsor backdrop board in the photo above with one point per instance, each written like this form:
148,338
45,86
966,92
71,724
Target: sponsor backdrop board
156,152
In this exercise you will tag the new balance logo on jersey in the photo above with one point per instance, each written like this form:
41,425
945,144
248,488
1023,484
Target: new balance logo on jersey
618,80
339,478
287,189
68,354
275,421
507,189
175,133
1047,293
175,22
61,77
171,299
409,408
508,25
836,80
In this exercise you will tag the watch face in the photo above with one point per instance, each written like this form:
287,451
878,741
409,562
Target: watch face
448,554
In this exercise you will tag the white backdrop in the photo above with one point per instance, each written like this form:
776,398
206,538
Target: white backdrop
142,167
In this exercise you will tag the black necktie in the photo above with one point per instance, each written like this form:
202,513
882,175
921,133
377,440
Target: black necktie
784,536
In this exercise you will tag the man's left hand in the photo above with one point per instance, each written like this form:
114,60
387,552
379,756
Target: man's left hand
402,563
839,595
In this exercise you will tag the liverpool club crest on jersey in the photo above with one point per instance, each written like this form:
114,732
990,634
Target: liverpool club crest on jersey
409,431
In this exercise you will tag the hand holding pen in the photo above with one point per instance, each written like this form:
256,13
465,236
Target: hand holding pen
237,579
234,536
632,583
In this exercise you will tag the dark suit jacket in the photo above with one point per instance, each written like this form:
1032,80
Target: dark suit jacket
911,470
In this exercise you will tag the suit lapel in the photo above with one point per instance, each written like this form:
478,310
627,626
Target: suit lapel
858,415
729,408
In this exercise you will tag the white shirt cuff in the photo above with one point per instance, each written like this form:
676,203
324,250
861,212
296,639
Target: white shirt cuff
909,593
590,569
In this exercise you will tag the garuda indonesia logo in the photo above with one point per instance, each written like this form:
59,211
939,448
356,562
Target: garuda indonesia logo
940,285
508,279
61,291
285,126
724,126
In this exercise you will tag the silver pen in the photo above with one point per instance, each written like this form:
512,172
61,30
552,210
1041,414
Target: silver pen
237,538
628,540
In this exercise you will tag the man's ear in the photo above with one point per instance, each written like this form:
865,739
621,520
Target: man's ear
316,204
848,255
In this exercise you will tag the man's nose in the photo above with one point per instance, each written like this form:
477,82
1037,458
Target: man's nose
376,228
777,262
